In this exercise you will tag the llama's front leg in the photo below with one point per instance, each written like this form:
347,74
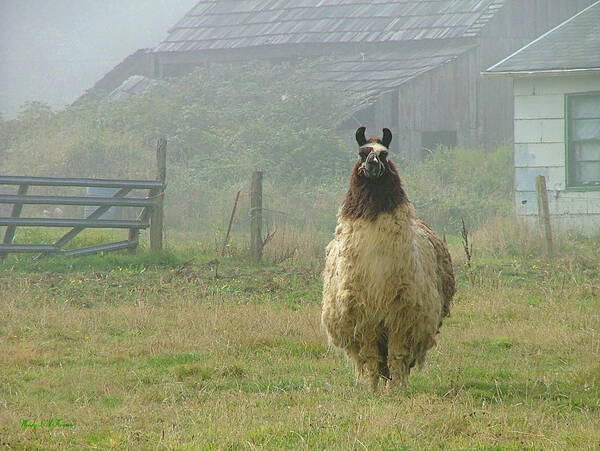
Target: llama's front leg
352,352
366,364
399,361
370,363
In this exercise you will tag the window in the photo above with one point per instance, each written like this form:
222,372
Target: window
583,140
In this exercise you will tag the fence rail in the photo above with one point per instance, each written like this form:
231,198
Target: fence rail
76,200
86,223
81,182
150,216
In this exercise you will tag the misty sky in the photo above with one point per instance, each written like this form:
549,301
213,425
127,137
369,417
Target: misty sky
53,50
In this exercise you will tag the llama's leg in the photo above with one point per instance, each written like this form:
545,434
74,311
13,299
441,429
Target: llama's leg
407,349
352,352
374,354
382,347
371,362
361,367
399,360
340,321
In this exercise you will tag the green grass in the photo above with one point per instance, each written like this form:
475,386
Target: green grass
153,351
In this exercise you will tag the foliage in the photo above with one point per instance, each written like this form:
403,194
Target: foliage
461,183
224,121
227,119
221,123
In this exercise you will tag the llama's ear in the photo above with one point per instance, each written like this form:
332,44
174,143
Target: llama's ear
360,136
387,137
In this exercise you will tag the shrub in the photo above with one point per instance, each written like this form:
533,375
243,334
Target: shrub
461,183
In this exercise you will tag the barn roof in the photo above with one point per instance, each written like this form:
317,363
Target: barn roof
134,85
235,24
372,73
574,45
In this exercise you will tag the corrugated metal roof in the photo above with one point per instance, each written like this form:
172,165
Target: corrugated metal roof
573,45
367,75
228,24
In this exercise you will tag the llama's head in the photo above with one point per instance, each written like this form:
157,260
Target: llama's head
373,154
375,187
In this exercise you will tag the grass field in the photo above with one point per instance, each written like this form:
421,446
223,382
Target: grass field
155,352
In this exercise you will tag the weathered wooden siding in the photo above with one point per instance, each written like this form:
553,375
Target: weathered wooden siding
540,149
440,100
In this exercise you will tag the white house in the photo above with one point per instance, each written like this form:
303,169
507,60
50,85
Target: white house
556,85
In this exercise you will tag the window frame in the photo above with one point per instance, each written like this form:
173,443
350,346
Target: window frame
571,182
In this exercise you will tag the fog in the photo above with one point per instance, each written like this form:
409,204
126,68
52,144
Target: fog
52,51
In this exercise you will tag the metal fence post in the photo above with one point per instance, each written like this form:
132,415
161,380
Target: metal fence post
156,222
16,212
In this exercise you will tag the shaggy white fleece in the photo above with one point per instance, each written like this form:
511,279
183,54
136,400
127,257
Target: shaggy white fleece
386,288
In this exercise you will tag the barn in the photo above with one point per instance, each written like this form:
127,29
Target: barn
556,81
414,65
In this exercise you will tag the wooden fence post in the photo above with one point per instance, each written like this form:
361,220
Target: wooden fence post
544,213
256,243
156,221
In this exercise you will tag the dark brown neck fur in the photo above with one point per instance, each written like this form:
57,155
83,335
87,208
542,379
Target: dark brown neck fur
368,198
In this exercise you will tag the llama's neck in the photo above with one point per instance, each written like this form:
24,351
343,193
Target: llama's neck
369,198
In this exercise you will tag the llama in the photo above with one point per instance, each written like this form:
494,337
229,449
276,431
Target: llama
388,280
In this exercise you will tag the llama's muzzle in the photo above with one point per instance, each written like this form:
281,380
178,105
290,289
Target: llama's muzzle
372,167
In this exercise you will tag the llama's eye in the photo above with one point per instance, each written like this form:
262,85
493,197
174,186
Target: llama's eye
383,154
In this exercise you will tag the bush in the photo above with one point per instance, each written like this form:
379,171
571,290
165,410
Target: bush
461,183
221,123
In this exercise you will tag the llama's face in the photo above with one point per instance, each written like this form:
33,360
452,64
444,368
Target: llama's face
373,154
373,157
